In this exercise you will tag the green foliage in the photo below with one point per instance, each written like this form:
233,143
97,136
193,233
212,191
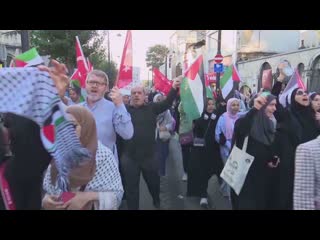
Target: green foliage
60,45
156,55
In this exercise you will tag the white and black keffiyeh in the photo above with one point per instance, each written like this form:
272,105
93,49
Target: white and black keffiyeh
31,93
106,180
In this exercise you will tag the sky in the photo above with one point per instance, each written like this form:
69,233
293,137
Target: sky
141,41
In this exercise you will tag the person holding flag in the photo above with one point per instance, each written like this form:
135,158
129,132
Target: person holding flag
111,116
139,152
259,125
296,126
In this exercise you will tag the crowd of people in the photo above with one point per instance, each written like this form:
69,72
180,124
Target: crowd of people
128,134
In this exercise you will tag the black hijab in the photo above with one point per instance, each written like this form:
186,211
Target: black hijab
206,124
263,128
304,124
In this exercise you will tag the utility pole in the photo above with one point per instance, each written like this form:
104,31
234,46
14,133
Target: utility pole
166,65
108,46
25,45
218,52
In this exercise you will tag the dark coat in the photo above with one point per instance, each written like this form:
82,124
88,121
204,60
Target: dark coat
254,192
290,134
24,171
142,145
204,161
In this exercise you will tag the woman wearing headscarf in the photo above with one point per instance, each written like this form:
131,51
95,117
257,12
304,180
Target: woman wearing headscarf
315,105
205,158
24,170
96,184
259,124
224,133
297,126
163,133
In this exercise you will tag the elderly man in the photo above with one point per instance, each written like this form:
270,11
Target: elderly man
139,152
111,117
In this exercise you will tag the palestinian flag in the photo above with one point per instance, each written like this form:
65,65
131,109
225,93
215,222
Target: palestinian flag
48,133
294,82
229,82
193,91
28,58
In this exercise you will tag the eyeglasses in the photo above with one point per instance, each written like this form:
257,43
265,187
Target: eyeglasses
92,83
299,93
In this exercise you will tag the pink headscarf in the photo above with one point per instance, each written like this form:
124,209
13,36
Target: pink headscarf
230,118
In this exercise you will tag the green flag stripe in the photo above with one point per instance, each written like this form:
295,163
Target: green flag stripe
209,92
28,55
59,121
226,76
189,105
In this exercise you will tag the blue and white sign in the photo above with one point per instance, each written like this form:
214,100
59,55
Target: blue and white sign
218,67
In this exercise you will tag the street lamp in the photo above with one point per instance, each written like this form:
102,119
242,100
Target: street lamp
109,50
108,31
218,52
166,61
150,70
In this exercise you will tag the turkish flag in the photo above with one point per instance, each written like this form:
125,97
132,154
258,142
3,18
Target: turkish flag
82,65
76,75
161,83
90,66
125,70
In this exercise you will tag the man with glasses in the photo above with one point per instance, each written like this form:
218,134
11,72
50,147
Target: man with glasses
111,117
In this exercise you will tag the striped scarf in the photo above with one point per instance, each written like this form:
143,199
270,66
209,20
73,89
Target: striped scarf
31,93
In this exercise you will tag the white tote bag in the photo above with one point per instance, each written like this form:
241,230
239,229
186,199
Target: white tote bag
237,166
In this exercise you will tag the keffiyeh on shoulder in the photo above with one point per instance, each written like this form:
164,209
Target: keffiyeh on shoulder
31,93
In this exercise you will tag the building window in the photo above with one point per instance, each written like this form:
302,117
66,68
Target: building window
300,68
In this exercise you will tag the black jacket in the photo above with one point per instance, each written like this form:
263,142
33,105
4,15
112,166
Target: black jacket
142,145
290,134
24,171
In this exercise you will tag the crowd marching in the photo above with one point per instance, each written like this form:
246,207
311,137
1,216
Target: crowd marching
128,135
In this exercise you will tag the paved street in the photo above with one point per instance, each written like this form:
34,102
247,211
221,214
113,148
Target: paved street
173,189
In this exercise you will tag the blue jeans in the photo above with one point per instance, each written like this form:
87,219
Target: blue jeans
162,152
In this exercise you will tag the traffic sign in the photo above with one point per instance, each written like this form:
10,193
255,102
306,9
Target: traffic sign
218,67
218,58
